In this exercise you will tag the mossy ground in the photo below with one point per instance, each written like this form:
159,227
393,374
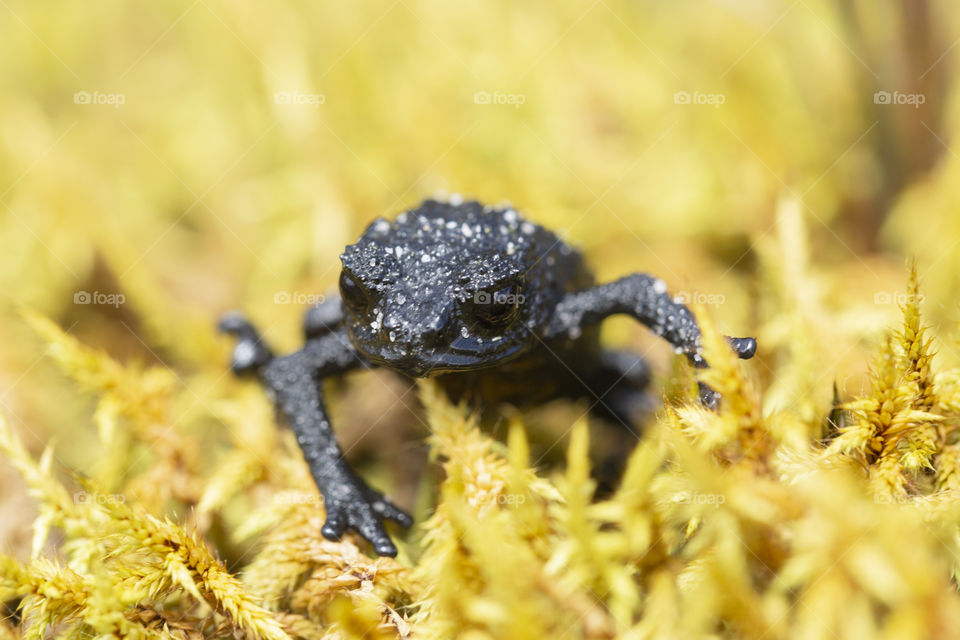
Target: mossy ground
161,164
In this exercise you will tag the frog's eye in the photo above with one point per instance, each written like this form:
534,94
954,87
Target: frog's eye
353,294
498,308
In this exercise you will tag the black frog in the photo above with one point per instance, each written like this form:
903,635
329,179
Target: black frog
489,305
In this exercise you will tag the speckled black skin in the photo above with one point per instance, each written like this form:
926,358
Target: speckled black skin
492,306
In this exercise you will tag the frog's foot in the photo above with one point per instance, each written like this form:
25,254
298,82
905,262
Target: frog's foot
745,348
250,353
351,504
709,398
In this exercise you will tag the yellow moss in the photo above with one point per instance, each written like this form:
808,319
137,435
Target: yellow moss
733,523
894,431
821,501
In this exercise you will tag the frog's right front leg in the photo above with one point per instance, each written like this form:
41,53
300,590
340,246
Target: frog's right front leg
296,384
645,298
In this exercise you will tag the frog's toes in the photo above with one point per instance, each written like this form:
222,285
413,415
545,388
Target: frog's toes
250,352
359,515
334,526
358,507
387,510
709,398
745,348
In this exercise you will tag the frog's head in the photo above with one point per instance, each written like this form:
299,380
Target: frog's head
441,289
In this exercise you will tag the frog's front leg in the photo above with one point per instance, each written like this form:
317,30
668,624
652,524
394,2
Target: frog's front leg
323,318
645,298
296,384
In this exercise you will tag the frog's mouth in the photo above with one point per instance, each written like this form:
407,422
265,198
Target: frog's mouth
451,361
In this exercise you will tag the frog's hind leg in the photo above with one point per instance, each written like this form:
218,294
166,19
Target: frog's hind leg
619,382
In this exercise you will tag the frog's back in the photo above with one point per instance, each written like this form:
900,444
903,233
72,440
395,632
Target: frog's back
550,266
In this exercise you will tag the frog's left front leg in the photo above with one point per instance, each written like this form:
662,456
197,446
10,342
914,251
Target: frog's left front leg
296,383
645,298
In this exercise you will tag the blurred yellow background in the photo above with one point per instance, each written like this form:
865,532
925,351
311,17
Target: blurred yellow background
175,159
